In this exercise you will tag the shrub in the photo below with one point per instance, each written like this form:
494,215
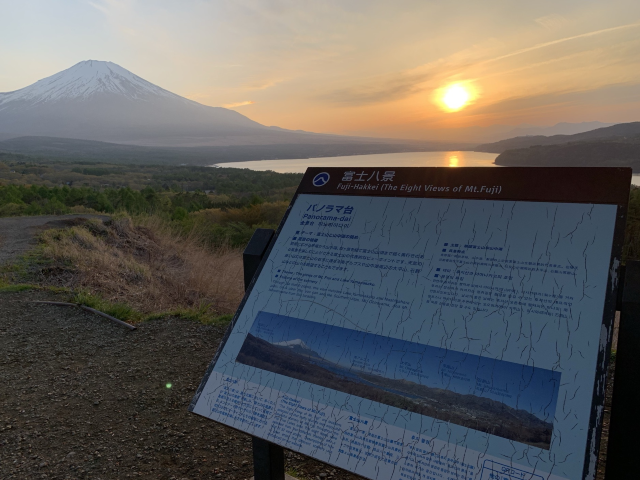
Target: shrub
145,266
12,209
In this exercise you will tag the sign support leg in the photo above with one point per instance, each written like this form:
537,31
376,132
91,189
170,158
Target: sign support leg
622,450
268,458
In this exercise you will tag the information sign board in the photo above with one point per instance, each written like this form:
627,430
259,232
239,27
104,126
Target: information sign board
431,323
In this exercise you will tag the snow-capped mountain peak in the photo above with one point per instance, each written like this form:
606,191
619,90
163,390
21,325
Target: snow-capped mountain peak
84,80
95,100
293,343
299,347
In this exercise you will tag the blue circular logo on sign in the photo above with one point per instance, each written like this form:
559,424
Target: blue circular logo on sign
320,179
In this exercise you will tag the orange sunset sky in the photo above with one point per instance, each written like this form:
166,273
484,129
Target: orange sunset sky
350,66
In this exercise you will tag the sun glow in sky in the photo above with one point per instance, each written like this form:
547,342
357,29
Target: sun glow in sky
455,97
354,67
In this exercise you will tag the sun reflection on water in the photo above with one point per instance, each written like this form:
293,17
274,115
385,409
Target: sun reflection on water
451,158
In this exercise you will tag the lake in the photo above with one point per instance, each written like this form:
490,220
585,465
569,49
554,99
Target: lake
405,159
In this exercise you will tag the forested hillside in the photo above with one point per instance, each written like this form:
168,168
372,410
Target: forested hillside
16,169
224,206
622,132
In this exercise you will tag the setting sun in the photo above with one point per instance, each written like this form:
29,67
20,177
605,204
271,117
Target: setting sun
455,97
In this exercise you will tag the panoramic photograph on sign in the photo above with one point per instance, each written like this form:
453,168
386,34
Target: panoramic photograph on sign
430,323
432,381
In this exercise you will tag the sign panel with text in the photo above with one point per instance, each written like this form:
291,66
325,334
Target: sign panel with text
418,323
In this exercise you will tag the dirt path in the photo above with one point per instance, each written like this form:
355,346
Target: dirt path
17,234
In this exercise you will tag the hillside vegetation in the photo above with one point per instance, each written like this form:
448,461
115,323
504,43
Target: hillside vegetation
218,219
164,251
16,169
143,265
239,200
609,153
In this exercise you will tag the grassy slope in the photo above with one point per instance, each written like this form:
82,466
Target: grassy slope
133,271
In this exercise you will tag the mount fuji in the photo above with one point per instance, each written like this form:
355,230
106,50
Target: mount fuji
95,100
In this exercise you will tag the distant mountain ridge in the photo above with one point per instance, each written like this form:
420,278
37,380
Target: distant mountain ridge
619,132
579,154
562,128
69,149
615,146
471,411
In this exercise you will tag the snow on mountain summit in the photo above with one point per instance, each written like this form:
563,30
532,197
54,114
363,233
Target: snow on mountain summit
84,80
298,346
293,343
96,100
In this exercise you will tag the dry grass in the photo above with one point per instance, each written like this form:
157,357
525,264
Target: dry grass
146,266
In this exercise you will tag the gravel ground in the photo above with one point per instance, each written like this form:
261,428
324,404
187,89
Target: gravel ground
17,233
81,397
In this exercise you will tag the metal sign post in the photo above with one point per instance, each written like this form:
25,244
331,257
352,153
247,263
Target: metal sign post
625,415
268,458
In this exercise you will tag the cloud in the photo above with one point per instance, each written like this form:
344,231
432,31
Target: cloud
552,22
385,91
109,7
563,40
607,95
263,85
100,8
238,104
